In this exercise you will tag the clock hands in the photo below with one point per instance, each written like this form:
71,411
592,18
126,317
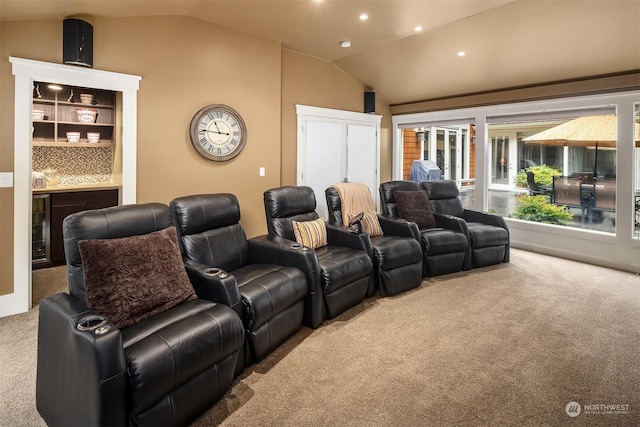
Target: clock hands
219,133
218,129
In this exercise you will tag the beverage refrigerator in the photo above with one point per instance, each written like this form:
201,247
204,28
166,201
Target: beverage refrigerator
41,231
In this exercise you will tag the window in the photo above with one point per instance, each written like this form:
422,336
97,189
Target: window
506,141
579,192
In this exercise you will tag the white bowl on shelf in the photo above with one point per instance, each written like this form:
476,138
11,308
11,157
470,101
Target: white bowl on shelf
86,115
93,137
73,136
86,98
37,114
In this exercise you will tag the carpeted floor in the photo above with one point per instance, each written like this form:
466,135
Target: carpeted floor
506,345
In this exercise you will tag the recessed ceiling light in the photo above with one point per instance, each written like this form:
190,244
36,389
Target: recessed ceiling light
418,28
345,43
364,17
461,53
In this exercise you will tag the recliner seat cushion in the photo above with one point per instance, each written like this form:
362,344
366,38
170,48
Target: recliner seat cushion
483,235
442,241
341,266
268,290
170,349
393,252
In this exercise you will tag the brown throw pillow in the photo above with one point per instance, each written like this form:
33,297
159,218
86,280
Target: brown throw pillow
132,278
415,206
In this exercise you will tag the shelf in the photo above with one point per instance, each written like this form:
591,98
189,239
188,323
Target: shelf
73,144
84,123
81,105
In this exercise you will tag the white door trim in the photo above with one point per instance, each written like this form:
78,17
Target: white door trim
27,71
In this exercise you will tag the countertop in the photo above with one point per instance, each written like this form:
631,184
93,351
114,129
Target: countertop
76,187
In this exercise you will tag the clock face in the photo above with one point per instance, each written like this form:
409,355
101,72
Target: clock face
218,132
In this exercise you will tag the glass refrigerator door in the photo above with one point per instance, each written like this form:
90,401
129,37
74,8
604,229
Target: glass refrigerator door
40,230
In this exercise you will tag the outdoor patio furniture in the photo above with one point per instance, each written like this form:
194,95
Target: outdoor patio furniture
535,189
572,193
603,199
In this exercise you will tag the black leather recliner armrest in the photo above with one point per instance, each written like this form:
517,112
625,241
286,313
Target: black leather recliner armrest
399,227
338,235
78,346
268,249
452,223
484,218
214,284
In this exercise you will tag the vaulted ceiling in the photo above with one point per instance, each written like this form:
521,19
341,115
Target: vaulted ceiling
508,43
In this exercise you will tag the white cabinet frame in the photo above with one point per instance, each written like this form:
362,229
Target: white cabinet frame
26,72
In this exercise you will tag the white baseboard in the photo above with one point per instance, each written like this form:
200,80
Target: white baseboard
13,303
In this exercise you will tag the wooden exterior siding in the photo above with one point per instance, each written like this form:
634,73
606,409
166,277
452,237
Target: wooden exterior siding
411,152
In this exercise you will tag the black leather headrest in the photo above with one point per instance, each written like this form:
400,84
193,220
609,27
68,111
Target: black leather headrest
387,198
387,189
441,189
201,212
287,201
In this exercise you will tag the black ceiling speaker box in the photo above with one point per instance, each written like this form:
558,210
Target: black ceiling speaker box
369,102
77,42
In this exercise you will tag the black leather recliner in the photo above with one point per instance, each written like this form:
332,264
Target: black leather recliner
250,275
397,260
488,233
444,248
343,267
167,369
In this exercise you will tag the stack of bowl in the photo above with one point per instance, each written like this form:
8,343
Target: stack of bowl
86,98
93,136
73,136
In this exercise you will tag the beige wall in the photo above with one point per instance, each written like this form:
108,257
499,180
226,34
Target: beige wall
316,82
186,64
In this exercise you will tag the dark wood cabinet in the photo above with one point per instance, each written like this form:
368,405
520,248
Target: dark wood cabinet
64,204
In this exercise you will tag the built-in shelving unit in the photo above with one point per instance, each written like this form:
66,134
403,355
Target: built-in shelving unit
60,116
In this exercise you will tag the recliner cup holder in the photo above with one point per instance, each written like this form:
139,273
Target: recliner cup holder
216,272
96,324
299,247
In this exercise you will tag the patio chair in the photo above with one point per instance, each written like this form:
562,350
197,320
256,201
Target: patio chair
534,188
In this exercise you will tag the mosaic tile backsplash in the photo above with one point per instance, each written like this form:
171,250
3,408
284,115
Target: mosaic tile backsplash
76,165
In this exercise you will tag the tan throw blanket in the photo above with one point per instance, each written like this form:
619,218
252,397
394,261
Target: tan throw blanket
354,198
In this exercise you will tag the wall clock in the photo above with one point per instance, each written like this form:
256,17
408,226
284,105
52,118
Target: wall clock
218,132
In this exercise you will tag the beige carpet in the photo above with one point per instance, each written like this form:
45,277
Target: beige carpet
505,345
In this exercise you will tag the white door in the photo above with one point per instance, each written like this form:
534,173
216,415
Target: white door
322,160
362,157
